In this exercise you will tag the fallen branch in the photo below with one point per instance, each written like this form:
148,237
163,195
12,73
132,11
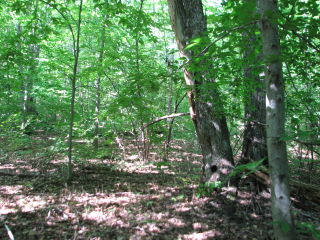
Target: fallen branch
163,118
310,191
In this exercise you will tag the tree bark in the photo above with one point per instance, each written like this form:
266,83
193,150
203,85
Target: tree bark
254,147
29,74
254,139
76,52
188,21
283,223
98,85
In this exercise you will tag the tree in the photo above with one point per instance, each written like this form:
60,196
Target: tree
98,84
254,147
254,139
281,207
76,52
206,110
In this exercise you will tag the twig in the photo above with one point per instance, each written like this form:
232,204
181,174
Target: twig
10,234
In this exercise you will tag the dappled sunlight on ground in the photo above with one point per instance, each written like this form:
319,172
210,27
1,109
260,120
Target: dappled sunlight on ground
108,204
202,235
124,199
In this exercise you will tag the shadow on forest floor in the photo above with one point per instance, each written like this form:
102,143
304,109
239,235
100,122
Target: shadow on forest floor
129,199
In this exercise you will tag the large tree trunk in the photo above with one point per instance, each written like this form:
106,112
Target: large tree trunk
188,21
254,139
254,146
281,213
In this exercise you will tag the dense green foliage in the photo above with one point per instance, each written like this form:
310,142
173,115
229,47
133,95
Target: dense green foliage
140,71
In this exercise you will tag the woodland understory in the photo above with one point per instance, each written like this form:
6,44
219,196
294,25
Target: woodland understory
160,119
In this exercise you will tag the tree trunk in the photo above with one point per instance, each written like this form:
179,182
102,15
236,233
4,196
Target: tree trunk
281,213
169,61
98,86
188,21
254,147
29,74
76,51
254,139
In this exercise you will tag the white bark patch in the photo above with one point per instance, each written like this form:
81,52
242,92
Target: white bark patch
278,191
216,125
273,87
270,103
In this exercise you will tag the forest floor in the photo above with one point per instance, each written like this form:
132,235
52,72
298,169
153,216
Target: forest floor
115,198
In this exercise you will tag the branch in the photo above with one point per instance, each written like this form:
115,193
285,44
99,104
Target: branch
178,102
163,118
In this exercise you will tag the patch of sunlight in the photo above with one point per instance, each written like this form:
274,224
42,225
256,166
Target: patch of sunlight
176,222
245,195
200,226
255,216
98,216
7,190
81,141
167,171
133,157
265,194
143,217
30,204
245,202
215,204
58,161
152,186
147,171
139,233
160,216
7,166
182,207
6,210
105,200
152,227
201,236
115,217
245,198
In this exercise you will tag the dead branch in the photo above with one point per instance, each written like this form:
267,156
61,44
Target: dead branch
163,118
311,192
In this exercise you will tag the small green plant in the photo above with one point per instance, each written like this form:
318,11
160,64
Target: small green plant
247,168
305,227
178,198
163,164
150,203
206,189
